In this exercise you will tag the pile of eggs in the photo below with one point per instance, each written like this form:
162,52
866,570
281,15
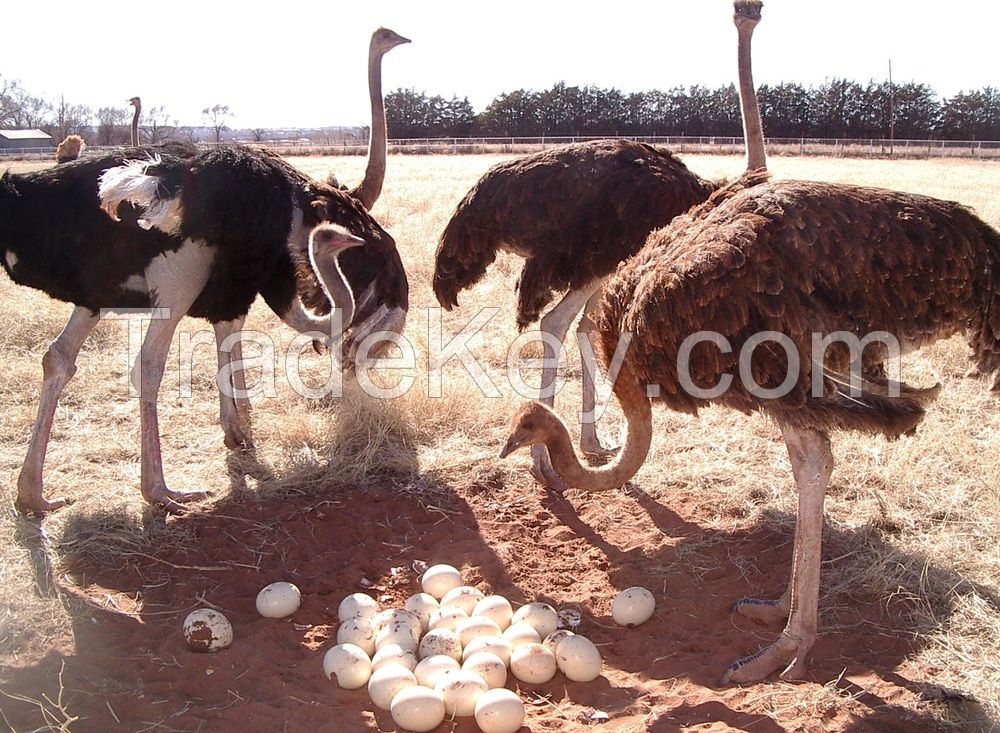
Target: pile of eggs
445,653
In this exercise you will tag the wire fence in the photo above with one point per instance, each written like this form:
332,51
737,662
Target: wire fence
831,147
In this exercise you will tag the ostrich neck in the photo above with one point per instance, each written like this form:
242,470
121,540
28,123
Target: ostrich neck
635,405
135,127
752,129
368,192
335,285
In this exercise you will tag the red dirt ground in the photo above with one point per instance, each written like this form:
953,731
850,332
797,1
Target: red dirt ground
127,668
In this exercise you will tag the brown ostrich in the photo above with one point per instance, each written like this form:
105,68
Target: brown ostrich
70,149
573,213
137,103
802,260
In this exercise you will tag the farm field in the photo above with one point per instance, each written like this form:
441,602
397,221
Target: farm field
352,490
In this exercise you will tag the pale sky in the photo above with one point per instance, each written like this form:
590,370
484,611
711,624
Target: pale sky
304,64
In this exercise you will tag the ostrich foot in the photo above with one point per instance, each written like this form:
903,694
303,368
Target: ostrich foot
171,499
236,438
786,653
541,469
766,611
590,444
31,499
598,451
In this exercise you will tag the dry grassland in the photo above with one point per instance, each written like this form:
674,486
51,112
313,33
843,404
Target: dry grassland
911,524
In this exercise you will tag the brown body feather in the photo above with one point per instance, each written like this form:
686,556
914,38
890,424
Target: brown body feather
799,258
574,213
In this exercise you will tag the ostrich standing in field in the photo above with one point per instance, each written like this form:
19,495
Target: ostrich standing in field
804,260
573,213
234,240
137,104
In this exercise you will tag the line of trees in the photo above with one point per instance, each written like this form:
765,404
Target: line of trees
838,108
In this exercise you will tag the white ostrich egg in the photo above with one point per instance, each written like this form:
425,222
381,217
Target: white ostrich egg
540,616
493,644
398,632
387,681
428,671
460,690
518,634
357,604
357,631
499,711
440,641
418,709
349,664
206,630
446,617
578,659
394,654
633,606
552,640
488,666
394,615
495,608
423,605
278,600
439,579
533,663
469,628
464,596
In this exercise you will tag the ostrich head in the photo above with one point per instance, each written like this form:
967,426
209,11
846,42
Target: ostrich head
135,102
332,239
746,13
531,424
384,39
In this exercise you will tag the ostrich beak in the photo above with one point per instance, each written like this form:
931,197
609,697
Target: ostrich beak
352,241
512,445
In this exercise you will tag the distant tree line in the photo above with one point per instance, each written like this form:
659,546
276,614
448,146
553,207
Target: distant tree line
19,109
838,108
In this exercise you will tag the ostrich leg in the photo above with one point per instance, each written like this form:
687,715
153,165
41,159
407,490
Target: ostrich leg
555,324
58,367
589,442
177,278
812,464
234,412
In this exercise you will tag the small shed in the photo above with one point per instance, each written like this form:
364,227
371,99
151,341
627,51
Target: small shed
25,140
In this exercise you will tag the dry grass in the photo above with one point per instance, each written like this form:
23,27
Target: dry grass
911,524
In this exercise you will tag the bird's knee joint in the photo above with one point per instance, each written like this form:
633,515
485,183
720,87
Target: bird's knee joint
56,365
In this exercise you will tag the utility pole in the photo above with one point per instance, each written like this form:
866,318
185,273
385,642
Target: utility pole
892,110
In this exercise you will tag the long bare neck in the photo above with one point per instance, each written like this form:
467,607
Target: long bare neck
370,188
635,405
752,129
135,127
331,277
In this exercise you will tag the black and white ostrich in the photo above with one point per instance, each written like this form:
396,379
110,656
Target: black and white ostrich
574,213
242,234
193,197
